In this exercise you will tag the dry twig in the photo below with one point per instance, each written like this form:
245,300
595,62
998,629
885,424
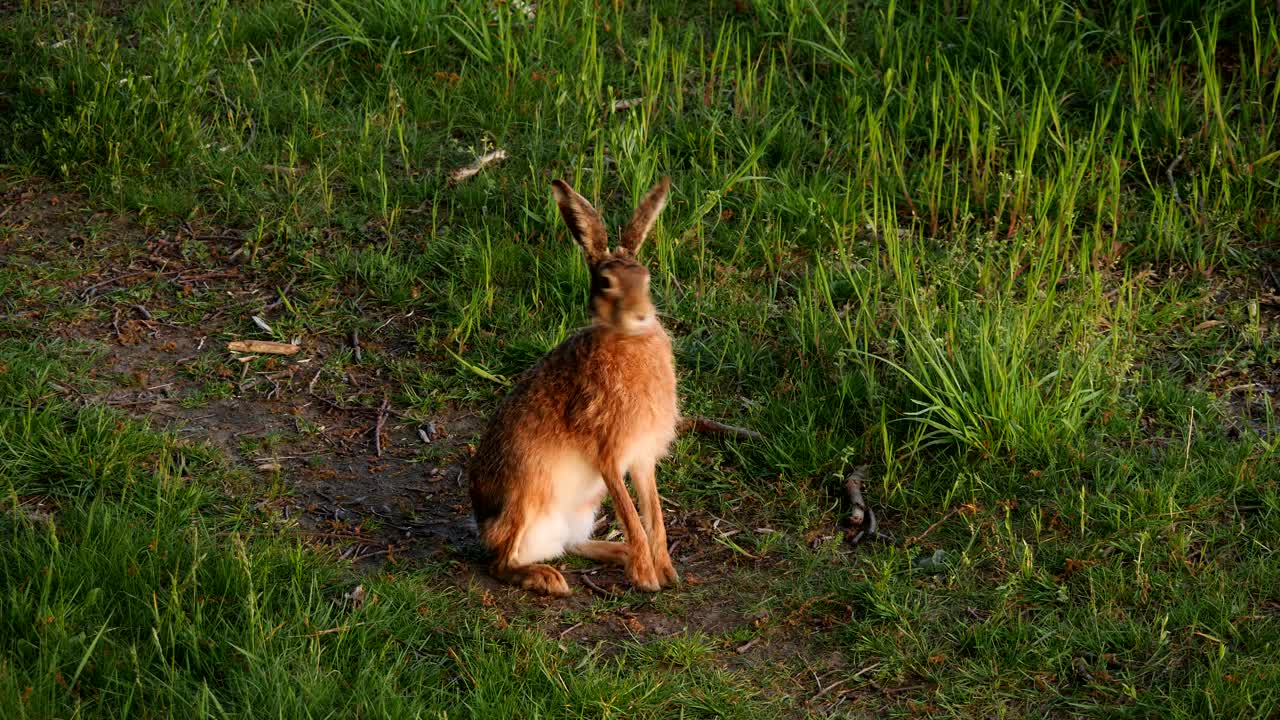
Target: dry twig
263,346
931,528
586,580
827,689
377,428
84,294
706,426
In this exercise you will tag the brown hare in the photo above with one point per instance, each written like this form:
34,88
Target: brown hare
599,405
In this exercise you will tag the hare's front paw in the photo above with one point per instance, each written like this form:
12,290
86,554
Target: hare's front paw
665,571
641,573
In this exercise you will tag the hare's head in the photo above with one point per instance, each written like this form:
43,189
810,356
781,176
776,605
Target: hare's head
619,284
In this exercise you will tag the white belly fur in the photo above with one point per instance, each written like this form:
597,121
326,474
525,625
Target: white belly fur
571,516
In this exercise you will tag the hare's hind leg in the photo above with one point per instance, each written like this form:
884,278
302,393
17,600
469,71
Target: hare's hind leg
583,526
615,553
644,478
580,542
505,537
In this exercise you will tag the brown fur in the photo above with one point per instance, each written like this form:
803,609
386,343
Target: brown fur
607,394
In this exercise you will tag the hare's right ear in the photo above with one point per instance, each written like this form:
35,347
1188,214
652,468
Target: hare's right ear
583,221
645,216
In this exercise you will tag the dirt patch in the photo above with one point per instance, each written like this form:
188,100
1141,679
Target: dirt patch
1247,385
282,419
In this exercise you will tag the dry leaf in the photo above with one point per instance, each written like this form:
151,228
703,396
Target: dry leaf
620,105
463,173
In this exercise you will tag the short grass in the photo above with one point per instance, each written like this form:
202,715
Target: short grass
133,590
1018,258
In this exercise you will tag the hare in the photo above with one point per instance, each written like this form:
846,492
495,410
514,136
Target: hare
599,405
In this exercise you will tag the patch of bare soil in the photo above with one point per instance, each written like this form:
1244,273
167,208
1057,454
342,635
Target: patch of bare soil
372,483
1249,387
279,423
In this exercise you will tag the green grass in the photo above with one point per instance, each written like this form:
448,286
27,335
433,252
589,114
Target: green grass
145,593
974,246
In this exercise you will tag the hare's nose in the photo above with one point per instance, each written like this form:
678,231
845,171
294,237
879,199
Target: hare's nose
641,318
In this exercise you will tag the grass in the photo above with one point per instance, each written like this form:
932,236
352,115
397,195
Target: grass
136,590
1018,258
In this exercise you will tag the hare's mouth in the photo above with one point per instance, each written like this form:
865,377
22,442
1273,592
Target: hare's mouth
637,323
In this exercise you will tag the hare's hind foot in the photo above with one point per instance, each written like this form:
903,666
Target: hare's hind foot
614,553
649,577
538,578
639,565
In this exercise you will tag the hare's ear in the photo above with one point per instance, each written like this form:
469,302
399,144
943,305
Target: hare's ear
583,221
645,216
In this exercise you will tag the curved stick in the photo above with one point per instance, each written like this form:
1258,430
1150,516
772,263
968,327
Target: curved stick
707,426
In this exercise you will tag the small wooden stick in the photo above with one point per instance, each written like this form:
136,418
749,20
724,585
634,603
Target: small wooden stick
828,689
377,429
931,528
706,426
586,579
84,294
263,346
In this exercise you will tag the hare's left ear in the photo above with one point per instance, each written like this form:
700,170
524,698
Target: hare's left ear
583,221
646,215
